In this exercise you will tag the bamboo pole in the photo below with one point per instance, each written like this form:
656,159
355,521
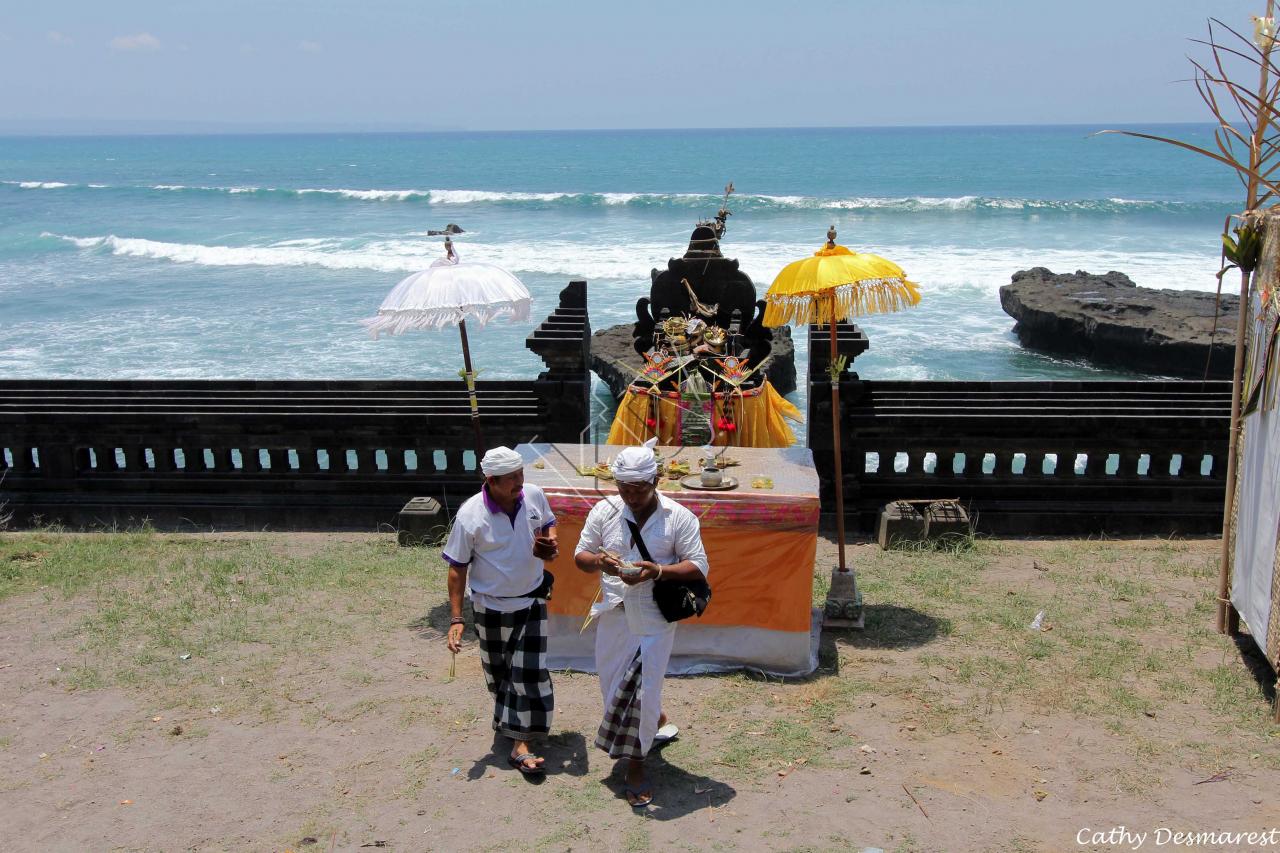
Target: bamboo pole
1227,616
1228,619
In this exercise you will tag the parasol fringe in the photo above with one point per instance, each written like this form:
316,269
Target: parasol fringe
871,296
398,322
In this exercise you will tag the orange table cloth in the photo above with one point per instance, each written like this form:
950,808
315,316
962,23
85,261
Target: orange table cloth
760,544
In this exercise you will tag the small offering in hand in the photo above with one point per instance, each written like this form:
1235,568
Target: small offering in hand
544,547
624,567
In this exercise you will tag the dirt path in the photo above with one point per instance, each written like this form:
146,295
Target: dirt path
899,743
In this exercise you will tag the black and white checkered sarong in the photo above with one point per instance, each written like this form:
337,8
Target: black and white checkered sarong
619,733
513,654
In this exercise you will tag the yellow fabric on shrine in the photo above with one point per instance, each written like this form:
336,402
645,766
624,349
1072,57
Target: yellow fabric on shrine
837,284
760,418
630,426
761,421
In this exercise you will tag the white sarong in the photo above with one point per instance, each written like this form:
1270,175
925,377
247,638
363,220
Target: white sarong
625,733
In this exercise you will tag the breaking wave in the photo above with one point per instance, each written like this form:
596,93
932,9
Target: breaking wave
942,267
37,185
690,201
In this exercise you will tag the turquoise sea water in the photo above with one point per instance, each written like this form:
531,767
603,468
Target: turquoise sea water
255,256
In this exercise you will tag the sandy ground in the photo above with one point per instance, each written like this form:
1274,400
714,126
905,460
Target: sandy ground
402,758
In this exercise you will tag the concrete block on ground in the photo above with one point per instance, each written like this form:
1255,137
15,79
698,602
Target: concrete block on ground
421,522
946,519
899,522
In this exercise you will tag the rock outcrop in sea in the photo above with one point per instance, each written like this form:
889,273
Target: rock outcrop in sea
615,360
1109,320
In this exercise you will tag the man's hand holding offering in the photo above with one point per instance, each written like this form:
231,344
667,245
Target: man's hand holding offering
545,548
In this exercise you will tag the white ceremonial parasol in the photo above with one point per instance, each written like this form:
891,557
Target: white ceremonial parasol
446,294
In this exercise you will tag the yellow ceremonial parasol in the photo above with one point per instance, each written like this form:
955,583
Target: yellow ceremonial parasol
837,284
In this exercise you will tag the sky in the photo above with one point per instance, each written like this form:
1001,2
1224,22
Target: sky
487,65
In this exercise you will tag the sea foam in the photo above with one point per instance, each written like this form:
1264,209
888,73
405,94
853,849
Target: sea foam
941,267
38,185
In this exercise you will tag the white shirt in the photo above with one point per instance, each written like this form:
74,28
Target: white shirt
499,548
672,535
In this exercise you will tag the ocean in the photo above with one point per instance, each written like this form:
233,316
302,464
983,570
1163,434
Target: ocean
255,256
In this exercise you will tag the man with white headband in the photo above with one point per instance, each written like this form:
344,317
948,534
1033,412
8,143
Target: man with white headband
633,638
499,541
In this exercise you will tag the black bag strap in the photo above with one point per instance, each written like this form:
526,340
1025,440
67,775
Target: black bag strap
639,540
542,590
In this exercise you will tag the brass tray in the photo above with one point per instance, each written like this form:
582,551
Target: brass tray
694,482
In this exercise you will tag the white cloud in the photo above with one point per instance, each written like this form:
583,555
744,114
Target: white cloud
247,49
310,46
138,41
55,37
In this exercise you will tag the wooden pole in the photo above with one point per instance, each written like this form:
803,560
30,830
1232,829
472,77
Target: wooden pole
1225,610
835,438
1227,617
470,376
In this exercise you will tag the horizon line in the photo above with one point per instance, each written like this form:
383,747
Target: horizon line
205,128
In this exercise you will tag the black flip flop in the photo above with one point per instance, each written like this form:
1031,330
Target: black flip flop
518,762
642,792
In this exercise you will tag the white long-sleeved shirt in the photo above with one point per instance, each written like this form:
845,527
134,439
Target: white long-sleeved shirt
672,535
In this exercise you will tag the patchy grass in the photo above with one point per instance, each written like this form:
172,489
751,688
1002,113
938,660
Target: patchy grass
229,602
1126,639
182,615
1123,625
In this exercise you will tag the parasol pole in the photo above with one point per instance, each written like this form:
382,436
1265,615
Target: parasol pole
835,438
834,374
470,376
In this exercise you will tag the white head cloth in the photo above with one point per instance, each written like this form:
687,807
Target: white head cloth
636,464
501,460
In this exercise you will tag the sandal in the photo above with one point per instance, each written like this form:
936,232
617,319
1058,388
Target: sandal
519,763
640,796
666,734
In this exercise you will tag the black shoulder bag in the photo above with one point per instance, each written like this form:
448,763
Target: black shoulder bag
675,599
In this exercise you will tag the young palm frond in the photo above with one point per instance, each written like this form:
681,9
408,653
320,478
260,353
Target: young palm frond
1247,142
1246,117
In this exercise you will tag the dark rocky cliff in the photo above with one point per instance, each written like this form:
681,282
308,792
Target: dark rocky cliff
1109,320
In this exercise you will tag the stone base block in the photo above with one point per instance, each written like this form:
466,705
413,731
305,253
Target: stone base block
421,522
899,522
843,608
946,519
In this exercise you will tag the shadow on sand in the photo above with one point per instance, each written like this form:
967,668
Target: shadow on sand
565,754
676,792
886,626
1255,660
434,624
